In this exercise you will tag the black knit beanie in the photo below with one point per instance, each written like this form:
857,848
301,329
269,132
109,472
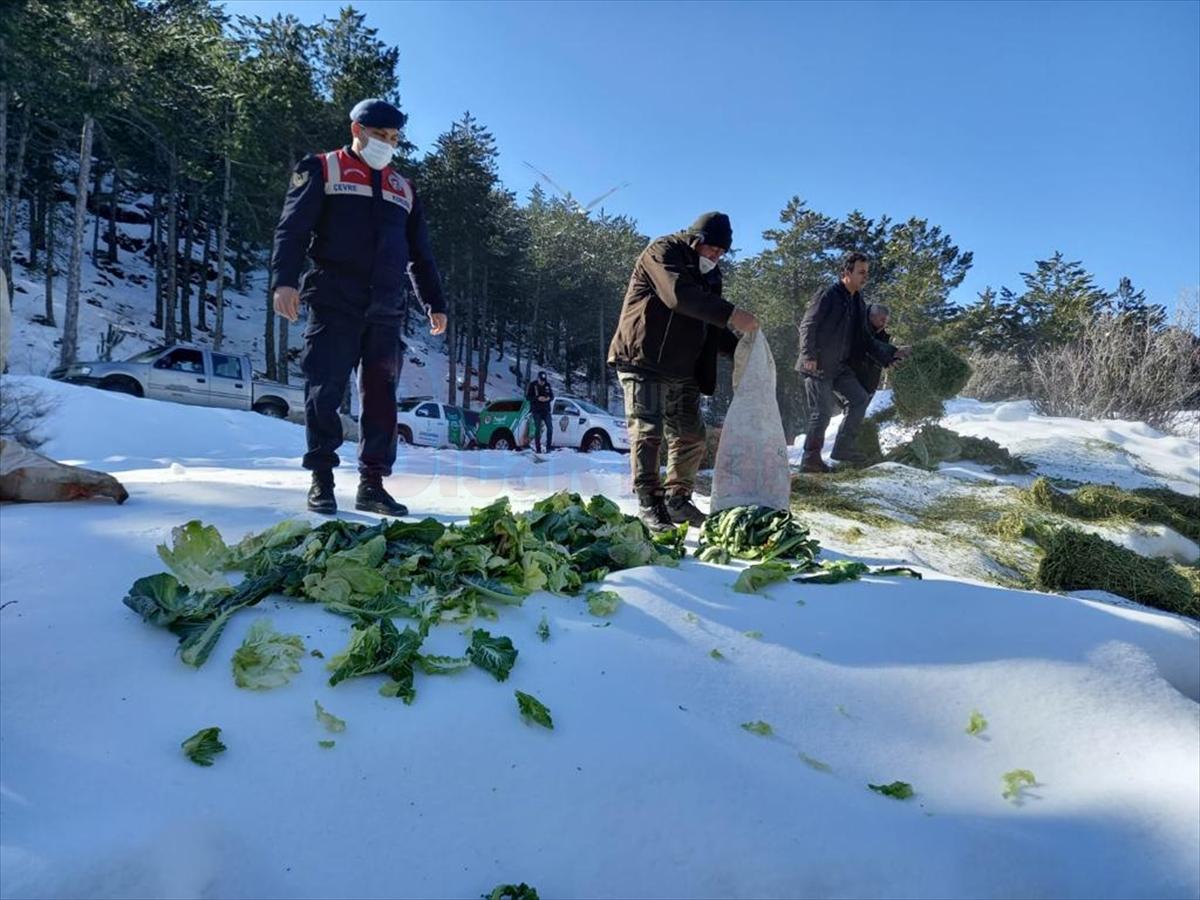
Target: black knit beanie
713,228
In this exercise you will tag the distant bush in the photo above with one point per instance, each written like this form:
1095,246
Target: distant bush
1116,368
998,376
22,410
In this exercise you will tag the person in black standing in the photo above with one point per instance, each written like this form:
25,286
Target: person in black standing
833,331
363,226
866,367
540,395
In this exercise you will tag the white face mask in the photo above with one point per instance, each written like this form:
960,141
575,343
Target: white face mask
706,265
377,153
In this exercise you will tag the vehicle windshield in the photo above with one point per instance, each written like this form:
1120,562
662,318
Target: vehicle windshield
590,407
146,355
407,405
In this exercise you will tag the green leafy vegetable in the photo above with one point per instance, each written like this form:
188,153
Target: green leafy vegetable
266,659
443,665
755,532
543,629
899,790
380,648
496,655
835,572
977,723
197,557
897,572
603,603
284,535
755,635
758,576
202,746
1015,783
815,763
533,710
328,719
762,729
716,654
326,744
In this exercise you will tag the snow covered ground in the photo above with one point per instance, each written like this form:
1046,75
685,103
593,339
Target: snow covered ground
647,786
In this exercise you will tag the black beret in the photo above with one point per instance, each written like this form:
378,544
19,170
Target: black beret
375,113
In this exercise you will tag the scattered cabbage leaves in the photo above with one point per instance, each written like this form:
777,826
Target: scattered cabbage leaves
603,603
203,746
197,557
1015,783
533,710
899,790
266,659
328,719
496,655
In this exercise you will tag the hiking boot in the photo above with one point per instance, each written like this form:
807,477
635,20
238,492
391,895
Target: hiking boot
320,495
653,511
373,498
812,464
681,509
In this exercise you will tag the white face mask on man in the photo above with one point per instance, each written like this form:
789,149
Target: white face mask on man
706,265
377,153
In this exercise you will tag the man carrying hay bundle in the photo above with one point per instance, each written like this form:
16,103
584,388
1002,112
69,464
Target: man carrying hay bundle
835,329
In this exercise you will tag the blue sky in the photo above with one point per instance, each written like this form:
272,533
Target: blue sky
1020,128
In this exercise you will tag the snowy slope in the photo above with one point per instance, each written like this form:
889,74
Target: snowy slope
124,298
646,787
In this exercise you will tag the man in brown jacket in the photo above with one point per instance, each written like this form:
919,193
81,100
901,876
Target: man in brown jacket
673,324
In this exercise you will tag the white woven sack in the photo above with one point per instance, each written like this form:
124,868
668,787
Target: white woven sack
752,463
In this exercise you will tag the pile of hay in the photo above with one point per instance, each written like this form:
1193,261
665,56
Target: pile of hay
1102,501
934,444
922,383
1077,561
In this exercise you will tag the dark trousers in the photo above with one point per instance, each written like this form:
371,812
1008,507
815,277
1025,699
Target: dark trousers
819,393
541,419
656,406
335,343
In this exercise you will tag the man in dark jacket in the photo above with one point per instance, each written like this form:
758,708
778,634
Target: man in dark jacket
363,227
540,395
866,368
834,329
673,324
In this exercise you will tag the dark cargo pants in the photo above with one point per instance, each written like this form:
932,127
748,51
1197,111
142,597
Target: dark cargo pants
653,406
819,393
334,343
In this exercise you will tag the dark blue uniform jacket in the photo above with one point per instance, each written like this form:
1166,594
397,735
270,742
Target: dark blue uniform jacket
364,230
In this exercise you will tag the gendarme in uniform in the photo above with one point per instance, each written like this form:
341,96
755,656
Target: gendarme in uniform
362,225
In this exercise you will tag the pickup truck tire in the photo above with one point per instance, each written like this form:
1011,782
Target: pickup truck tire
276,409
502,440
594,440
404,435
122,384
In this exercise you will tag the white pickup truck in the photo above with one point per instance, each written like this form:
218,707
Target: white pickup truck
427,423
192,375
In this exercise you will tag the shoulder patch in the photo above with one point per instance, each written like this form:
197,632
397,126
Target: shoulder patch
299,178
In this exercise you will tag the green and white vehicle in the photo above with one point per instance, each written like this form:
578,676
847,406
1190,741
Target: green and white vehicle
425,422
506,425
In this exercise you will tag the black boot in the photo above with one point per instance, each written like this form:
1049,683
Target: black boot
653,511
374,499
320,495
681,509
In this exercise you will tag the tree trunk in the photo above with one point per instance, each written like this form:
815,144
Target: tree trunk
8,226
239,268
206,258
471,334
112,215
50,269
37,222
70,339
269,332
171,257
281,369
601,383
484,349
96,218
451,336
185,289
156,256
222,240
5,261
